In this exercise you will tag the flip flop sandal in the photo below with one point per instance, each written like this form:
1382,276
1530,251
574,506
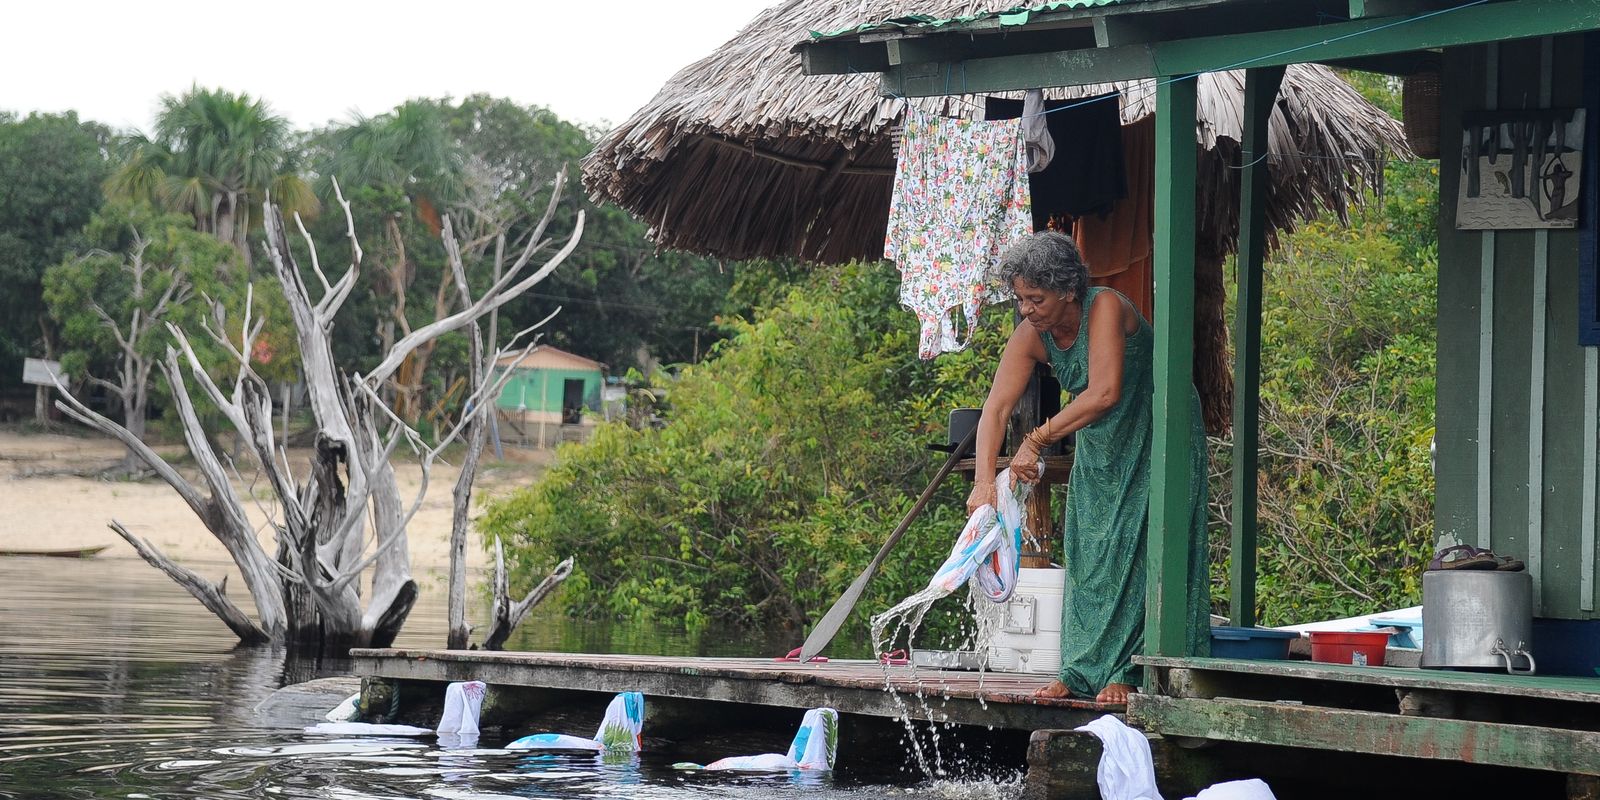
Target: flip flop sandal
794,656
1462,557
1508,563
894,658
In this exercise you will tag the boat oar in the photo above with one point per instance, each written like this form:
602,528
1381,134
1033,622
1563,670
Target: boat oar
834,619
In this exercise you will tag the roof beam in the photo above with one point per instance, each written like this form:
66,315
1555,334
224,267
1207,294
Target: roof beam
1363,9
1390,63
1341,41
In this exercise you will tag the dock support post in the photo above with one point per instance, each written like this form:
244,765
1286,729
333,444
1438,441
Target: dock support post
1166,603
1260,95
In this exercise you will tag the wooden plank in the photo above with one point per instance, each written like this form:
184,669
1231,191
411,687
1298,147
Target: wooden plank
1457,496
1538,317
1568,689
1260,96
1166,604
1057,469
998,699
1010,73
1512,19
1588,329
1513,391
1279,724
1563,567
1361,9
1486,267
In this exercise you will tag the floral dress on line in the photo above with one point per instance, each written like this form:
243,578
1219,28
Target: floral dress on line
960,199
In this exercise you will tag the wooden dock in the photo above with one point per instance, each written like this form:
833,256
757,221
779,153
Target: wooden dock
991,699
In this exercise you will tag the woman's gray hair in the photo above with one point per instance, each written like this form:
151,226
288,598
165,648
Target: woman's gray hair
1049,260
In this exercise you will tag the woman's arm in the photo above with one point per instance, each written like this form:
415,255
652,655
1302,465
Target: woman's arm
1107,343
1023,350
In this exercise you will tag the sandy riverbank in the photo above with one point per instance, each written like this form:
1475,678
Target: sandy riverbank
65,511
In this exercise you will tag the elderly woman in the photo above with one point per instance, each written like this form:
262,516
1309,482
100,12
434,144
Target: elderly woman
1099,347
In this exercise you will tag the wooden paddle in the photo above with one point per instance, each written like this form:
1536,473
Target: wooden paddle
834,619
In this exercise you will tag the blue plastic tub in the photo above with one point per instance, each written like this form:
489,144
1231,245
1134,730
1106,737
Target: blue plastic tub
1262,644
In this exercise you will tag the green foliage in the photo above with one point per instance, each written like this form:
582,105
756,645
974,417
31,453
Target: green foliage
1346,493
202,274
102,281
1347,385
215,156
785,461
51,167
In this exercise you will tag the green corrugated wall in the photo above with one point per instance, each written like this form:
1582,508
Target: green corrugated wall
542,389
1518,405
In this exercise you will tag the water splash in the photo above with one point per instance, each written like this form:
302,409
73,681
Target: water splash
985,559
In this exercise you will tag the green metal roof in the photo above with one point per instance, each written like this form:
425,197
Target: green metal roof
1017,15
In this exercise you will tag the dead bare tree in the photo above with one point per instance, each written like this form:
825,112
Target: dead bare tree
309,592
145,313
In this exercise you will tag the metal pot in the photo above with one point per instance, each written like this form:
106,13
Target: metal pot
1477,619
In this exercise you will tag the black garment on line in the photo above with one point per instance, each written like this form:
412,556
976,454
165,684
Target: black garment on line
1087,174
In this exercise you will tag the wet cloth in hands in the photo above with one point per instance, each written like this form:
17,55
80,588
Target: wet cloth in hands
1126,770
987,549
619,731
960,199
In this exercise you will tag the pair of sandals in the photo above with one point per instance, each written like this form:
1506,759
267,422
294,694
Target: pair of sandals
1464,556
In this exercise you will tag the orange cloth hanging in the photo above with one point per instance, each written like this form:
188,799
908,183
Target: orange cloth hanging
1120,247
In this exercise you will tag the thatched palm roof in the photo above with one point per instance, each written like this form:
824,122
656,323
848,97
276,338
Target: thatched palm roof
740,155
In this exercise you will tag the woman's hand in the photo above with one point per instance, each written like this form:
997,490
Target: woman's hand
1025,462
983,494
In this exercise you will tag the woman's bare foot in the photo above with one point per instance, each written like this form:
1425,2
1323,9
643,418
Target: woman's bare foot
1055,690
1115,694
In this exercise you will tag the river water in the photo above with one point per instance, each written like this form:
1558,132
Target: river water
114,683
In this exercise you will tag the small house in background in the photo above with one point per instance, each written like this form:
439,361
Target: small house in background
546,396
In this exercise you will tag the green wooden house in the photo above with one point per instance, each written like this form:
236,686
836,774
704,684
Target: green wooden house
549,387
1517,350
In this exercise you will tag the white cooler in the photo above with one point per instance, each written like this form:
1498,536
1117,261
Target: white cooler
1029,639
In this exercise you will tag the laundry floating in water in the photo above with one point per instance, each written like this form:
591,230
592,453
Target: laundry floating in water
619,731
463,701
814,748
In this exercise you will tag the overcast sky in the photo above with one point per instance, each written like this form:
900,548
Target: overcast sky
315,62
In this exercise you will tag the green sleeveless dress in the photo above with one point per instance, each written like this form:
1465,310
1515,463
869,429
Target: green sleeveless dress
1108,502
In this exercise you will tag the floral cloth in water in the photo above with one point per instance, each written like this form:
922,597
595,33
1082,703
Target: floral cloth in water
960,199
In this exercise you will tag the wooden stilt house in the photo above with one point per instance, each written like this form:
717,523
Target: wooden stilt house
1518,329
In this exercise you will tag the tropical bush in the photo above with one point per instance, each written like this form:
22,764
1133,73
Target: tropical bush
787,457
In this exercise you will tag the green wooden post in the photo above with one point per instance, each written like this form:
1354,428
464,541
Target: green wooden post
1166,612
1260,94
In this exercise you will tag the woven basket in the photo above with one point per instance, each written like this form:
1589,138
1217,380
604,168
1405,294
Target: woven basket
1419,104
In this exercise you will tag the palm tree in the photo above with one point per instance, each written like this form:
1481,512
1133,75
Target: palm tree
215,156
410,151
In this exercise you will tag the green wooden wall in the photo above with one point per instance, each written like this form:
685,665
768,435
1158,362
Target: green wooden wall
1516,447
542,389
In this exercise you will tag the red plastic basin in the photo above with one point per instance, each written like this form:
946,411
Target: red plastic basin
1360,648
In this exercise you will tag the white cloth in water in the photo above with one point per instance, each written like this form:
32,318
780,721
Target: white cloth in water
345,710
1126,771
462,702
619,731
987,549
1252,789
815,746
365,729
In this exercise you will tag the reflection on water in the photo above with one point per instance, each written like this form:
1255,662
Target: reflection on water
115,684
